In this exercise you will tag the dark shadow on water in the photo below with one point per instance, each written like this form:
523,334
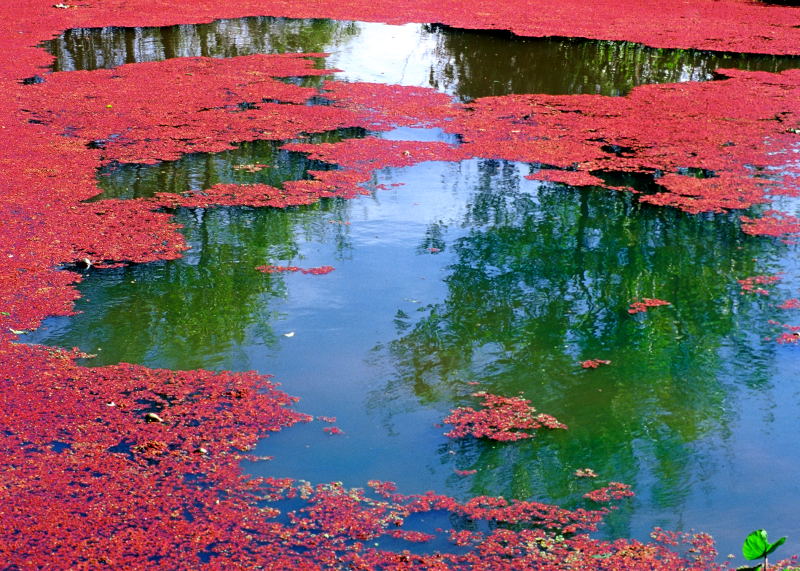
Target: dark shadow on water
465,63
475,64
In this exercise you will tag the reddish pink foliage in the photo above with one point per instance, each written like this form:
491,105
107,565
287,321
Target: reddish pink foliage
613,491
574,178
594,363
791,335
750,285
501,418
645,304
90,483
772,223
183,118
719,126
270,269
792,303
786,338
333,430
465,472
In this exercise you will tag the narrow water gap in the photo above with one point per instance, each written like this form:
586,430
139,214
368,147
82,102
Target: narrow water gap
465,63
251,162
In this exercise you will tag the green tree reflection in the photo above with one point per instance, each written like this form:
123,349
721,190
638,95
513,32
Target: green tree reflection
475,64
542,281
206,309
198,311
95,48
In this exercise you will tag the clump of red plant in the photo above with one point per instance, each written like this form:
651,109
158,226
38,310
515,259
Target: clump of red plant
594,363
613,491
791,335
271,269
645,303
772,223
751,284
501,418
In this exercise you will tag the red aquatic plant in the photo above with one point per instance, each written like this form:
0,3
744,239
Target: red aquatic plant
572,178
753,283
594,363
501,418
790,335
792,303
272,269
129,467
772,223
613,491
645,303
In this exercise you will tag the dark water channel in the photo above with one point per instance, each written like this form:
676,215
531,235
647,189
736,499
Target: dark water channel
466,63
470,277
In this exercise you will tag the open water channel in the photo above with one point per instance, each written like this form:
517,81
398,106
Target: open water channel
457,277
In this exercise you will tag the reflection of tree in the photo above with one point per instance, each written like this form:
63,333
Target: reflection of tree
474,64
94,48
542,281
204,310
197,312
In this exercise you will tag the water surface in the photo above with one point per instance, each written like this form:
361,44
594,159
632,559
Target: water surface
465,63
469,277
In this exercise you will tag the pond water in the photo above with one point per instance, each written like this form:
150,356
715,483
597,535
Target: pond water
463,277
465,63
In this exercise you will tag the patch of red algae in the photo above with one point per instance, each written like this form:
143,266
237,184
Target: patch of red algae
386,106
753,283
89,482
728,128
501,418
324,184
791,335
645,304
142,470
369,154
771,223
792,303
594,363
199,107
572,178
272,269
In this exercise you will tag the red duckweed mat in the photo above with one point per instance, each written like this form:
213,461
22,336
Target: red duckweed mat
127,467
